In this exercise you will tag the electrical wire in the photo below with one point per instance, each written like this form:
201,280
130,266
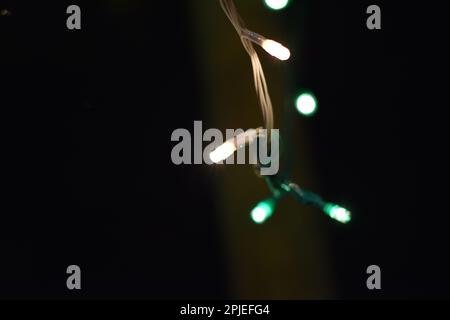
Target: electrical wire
262,90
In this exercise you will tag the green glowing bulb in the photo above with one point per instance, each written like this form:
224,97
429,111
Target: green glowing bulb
263,211
338,213
276,4
306,104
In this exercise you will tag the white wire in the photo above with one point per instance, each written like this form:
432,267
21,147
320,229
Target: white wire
259,78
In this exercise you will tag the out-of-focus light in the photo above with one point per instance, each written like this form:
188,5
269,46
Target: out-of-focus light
338,213
5,12
263,211
276,49
222,152
306,104
276,4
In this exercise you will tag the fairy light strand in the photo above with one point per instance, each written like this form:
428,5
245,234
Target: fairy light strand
272,47
265,209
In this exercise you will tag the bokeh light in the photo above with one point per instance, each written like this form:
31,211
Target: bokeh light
306,104
276,4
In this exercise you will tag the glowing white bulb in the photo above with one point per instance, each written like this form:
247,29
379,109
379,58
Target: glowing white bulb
263,211
276,49
259,215
272,47
276,4
306,104
338,213
222,152
230,146
342,215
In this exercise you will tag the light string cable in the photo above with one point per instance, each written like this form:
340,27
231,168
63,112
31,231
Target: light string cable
278,186
248,38
272,47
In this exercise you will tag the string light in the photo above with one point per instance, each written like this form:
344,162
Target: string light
306,104
280,189
248,38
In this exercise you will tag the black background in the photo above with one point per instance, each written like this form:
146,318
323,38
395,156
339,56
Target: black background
86,124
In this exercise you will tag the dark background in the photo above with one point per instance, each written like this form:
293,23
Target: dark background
87,118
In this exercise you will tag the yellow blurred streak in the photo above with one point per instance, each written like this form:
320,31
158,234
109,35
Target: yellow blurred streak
286,258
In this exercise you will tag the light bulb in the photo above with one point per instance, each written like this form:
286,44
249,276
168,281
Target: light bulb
272,47
222,152
306,104
231,145
276,49
263,211
337,213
